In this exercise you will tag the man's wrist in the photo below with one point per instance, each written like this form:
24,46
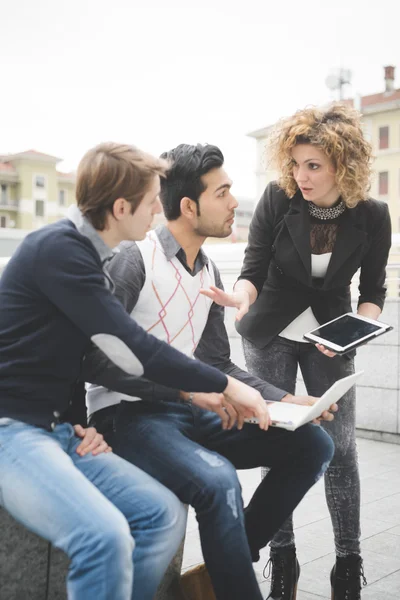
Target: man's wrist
186,397
287,398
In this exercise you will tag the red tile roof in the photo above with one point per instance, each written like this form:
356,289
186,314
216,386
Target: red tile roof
28,154
70,175
381,98
6,167
35,152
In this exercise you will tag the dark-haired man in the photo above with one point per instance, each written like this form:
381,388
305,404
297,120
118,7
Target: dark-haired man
182,443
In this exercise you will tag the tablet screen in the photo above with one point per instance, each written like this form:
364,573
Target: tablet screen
346,330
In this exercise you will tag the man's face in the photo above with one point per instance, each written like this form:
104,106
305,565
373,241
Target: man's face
137,225
216,206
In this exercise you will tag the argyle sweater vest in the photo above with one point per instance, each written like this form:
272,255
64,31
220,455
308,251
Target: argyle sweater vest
170,305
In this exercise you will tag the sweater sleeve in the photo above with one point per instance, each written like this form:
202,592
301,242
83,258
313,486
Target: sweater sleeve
68,272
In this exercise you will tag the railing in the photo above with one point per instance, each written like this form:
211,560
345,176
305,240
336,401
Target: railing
229,259
3,263
8,204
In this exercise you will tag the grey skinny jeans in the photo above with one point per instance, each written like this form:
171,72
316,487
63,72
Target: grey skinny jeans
277,363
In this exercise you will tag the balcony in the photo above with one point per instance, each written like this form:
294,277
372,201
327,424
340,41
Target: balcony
8,204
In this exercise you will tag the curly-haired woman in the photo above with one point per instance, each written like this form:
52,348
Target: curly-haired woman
310,233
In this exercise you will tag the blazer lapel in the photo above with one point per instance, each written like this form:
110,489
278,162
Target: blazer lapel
348,239
298,224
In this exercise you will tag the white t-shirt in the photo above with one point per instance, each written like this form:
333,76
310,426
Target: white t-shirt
306,321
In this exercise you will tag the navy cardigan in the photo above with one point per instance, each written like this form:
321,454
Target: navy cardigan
54,301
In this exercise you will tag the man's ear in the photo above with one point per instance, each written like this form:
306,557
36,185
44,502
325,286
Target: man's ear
188,208
120,208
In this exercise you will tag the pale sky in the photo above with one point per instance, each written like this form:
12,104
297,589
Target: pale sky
158,73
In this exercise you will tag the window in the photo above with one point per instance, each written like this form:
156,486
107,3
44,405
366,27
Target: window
39,208
40,181
383,138
3,221
61,197
4,194
383,183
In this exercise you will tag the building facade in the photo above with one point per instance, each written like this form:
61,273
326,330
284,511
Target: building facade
382,126
32,191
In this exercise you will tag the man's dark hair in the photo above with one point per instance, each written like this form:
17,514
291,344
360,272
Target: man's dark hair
183,178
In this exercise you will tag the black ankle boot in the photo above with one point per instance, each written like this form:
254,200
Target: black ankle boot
346,578
285,573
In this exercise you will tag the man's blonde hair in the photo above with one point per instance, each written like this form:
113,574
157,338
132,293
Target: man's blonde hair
110,171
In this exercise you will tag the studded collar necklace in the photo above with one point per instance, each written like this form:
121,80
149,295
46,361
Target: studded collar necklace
325,214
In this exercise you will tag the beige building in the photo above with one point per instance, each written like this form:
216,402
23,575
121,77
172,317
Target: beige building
32,191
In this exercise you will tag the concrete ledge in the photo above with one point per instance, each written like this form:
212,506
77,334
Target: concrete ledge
170,588
378,436
23,564
24,561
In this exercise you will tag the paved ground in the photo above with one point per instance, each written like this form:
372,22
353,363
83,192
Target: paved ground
380,480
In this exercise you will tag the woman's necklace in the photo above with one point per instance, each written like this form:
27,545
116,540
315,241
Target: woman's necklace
332,212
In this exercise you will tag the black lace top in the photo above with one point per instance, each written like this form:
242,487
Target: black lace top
323,233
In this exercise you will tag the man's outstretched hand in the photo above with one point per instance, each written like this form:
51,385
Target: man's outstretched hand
239,299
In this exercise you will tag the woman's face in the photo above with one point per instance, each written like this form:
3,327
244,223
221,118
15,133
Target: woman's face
314,173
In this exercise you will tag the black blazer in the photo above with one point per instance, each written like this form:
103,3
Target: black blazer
278,263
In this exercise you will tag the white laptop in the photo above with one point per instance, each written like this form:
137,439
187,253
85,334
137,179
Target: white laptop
291,416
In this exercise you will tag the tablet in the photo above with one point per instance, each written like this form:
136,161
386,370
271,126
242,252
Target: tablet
346,332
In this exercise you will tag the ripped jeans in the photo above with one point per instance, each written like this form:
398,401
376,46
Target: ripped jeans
277,363
185,448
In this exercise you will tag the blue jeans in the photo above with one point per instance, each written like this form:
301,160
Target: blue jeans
119,527
186,449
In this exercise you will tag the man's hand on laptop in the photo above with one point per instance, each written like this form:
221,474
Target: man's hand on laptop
247,402
215,403
309,401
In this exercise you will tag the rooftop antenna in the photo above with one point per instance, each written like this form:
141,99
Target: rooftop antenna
337,79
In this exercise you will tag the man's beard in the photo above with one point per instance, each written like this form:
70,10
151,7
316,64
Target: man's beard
213,231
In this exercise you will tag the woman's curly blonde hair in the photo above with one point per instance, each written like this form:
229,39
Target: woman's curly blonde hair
338,133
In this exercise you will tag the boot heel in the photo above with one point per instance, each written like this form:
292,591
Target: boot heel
346,578
295,592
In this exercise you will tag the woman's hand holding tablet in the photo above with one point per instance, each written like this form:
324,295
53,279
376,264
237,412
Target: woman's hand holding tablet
345,333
